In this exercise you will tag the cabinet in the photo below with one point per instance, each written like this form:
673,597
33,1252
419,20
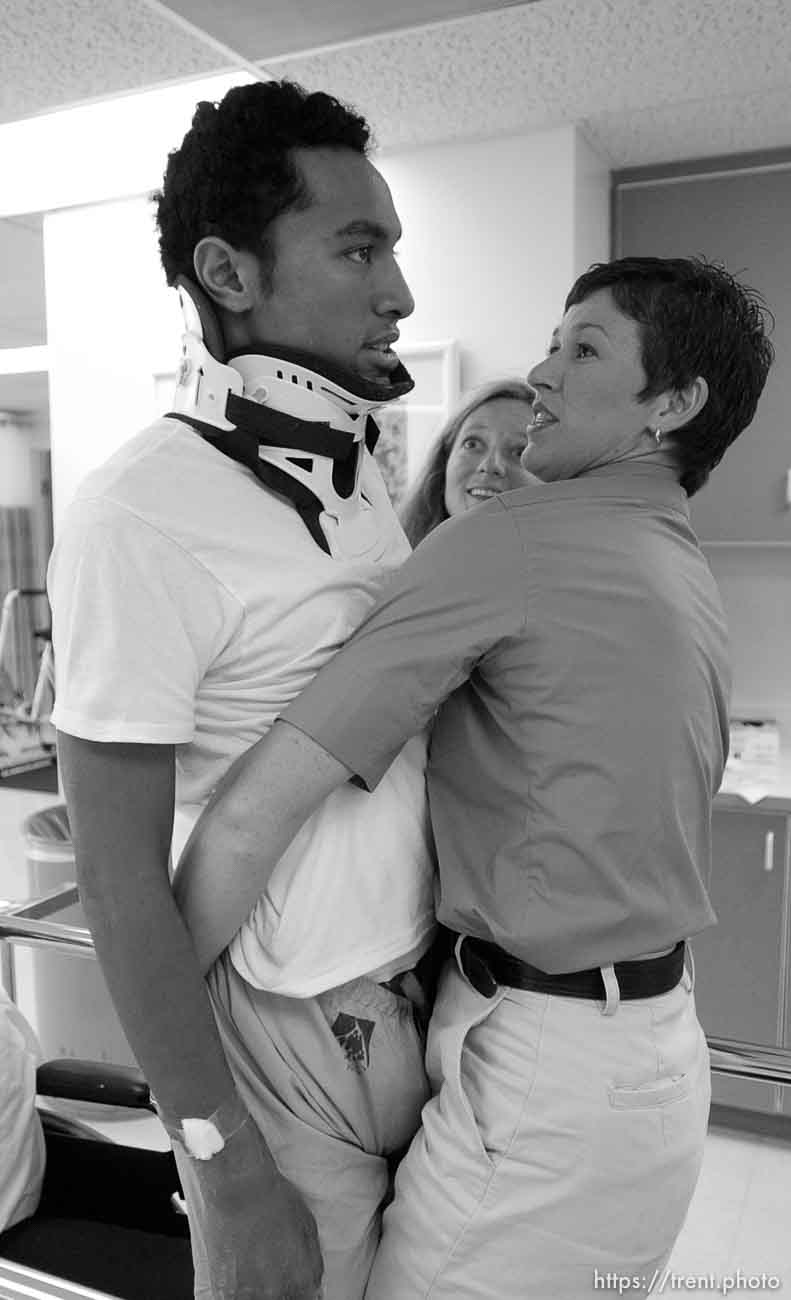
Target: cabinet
741,965
740,219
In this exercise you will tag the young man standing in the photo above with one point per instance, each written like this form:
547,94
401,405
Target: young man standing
200,579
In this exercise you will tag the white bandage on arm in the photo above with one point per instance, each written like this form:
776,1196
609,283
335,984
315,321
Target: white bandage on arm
203,1138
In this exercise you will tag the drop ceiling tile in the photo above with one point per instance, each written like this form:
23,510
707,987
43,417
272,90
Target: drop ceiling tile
61,52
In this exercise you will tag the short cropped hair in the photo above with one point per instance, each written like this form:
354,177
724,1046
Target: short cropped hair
695,319
234,172
425,506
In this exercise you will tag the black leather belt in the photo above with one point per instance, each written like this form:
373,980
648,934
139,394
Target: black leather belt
487,967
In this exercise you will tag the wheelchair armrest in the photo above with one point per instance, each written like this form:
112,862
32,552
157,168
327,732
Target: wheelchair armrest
112,1085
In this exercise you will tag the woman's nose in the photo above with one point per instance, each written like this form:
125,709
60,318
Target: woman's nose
492,461
542,374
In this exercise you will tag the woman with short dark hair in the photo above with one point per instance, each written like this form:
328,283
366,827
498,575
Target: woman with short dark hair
693,318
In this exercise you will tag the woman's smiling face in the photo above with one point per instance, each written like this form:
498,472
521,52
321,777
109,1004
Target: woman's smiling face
486,455
587,411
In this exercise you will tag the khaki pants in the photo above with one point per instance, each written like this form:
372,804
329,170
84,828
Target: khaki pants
336,1085
561,1143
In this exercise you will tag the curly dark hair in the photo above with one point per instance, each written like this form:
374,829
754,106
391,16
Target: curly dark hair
425,506
695,319
234,171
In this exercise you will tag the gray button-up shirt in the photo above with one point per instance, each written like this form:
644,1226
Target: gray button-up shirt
571,640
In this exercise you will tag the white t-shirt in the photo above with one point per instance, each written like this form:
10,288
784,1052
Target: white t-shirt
21,1139
190,605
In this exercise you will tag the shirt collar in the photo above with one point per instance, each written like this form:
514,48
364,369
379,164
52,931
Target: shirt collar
633,480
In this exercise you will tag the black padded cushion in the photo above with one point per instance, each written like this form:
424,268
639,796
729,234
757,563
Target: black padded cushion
106,1220
124,1262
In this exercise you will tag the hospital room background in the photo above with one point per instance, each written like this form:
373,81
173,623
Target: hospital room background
521,143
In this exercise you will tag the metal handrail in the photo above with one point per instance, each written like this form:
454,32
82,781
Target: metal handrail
27,923
20,1282
751,1061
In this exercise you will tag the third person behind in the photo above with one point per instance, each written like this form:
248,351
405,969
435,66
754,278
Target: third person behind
476,455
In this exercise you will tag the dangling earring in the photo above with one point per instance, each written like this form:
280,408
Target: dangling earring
658,436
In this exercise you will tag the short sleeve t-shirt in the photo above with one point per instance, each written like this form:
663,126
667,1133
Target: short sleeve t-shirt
572,639
190,605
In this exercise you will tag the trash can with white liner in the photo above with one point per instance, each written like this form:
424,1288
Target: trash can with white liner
48,849
64,995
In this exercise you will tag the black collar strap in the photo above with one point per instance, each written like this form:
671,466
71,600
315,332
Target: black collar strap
273,428
261,426
242,444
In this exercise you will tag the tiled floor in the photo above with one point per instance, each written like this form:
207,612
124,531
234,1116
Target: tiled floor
739,1220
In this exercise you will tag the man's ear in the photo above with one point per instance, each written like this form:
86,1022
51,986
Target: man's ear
222,272
681,405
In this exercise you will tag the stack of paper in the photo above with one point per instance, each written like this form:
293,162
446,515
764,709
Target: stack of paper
753,766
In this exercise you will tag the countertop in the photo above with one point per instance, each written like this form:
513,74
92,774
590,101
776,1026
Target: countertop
776,800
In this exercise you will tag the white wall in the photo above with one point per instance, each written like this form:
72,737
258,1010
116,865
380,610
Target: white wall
112,324
591,205
98,151
495,232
